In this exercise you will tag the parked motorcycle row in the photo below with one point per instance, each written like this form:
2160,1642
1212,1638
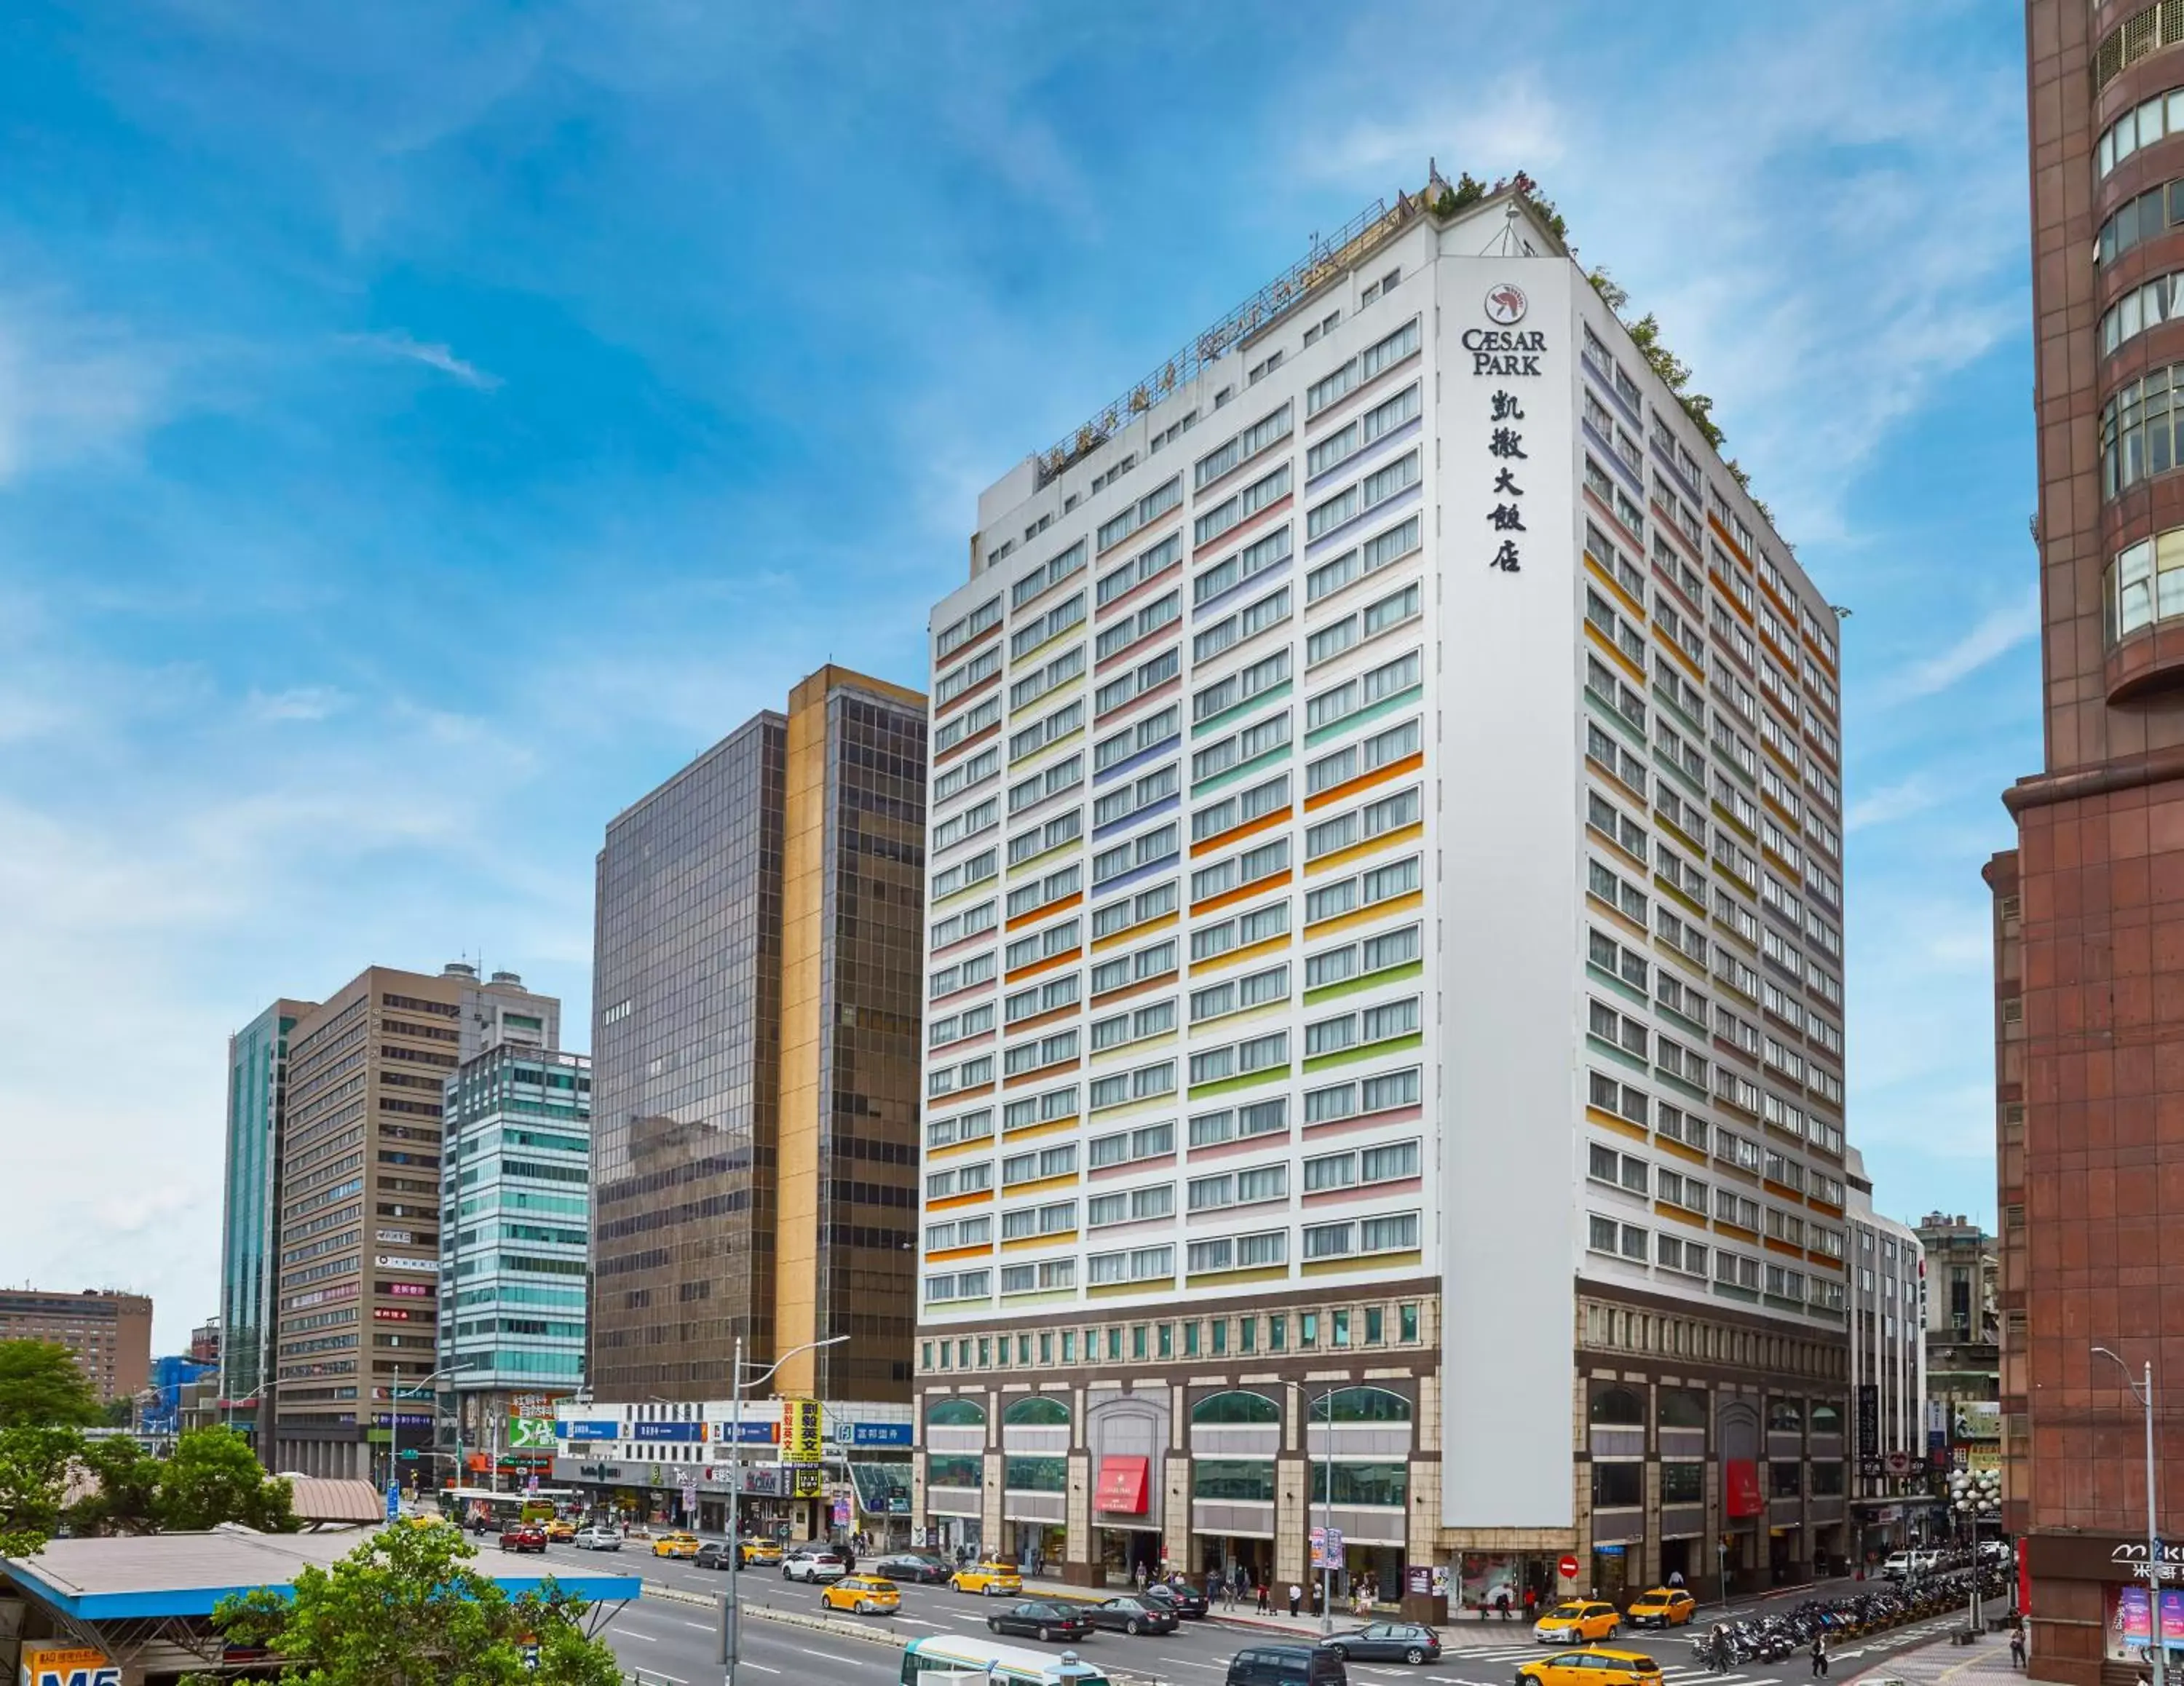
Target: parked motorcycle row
1781,1634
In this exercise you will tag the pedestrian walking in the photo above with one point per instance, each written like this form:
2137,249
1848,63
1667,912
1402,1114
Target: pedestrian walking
1676,1577
1501,1603
1819,1656
1266,1605
1297,1598
2017,1647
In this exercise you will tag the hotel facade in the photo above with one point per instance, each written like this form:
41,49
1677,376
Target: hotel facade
1384,988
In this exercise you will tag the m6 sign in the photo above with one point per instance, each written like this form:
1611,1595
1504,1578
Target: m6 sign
1569,1568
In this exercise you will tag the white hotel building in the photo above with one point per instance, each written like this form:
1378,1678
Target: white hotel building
1385,962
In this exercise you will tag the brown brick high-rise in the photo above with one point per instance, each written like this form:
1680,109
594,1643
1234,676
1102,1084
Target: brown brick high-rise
2089,908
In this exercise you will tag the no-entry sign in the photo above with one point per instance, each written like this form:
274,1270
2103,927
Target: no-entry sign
1569,1566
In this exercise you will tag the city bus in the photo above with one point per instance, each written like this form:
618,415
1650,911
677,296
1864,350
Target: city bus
465,1506
943,1660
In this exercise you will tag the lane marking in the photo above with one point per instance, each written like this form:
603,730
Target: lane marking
1185,1662
760,1667
829,1656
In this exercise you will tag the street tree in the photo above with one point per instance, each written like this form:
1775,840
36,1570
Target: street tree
213,1476
407,1608
124,1488
42,1386
35,1464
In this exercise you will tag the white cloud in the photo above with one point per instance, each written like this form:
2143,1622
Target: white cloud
2001,629
72,385
297,702
395,343
1891,803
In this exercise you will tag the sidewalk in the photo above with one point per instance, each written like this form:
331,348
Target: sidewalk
1985,1663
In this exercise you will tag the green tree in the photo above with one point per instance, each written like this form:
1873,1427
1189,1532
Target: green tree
34,1474
42,1387
128,1480
406,1609
213,1476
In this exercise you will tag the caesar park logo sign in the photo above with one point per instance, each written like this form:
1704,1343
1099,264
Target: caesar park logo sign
1504,349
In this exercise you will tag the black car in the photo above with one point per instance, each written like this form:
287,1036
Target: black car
1129,1614
1040,1620
715,1554
1180,1596
914,1565
1387,1642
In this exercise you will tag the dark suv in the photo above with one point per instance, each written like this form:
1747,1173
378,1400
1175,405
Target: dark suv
1286,1665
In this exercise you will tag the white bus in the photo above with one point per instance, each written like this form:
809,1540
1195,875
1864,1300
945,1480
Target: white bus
946,1660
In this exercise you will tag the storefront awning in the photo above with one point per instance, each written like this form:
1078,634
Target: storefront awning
1123,1485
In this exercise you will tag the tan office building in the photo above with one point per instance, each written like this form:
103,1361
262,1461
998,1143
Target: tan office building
109,1334
755,1004
355,1304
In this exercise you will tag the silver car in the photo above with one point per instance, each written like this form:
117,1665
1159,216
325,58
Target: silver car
597,1538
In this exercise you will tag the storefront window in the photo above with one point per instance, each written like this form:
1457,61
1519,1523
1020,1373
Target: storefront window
954,1472
955,1413
1361,1405
1236,1410
1784,1480
1681,1408
1035,1475
1360,1483
1618,1485
1785,1416
1239,1480
1682,1483
1617,1407
1037,1413
1827,1480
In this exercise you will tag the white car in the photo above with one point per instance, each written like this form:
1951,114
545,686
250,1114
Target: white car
814,1563
598,1539
1905,1564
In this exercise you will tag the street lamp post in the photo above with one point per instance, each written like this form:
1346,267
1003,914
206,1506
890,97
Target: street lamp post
731,1604
1326,1403
2143,1393
395,1396
1975,1496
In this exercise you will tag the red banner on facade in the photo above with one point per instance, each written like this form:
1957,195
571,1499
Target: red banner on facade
1123,1485
1741,1488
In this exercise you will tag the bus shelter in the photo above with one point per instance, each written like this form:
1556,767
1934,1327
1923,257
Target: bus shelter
138,1611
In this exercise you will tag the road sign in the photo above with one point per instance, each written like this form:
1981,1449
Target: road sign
1569,1566
393,1500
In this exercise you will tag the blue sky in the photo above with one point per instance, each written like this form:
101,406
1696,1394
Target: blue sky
424,427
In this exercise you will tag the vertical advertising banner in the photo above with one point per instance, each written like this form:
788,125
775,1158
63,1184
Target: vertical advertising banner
802,1434
1869,1420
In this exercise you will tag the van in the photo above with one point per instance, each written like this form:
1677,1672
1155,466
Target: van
943,1660
1286,1665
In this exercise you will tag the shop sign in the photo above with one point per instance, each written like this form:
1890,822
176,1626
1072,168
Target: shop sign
1869,1420
591,1430
880,1434
2131,1554
1418,1580
1327,1548
530,1433
679,1431
67,1666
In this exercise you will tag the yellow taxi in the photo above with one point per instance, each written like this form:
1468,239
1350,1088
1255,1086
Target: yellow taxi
675,1545
762,1554
1577,1622
1662,1607
866,1594
989,1579
1591,1667
560,1528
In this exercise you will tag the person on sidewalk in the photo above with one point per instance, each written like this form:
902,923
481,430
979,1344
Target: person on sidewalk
1266,1604
1501,1603
2017,1646
1819,1656
1297,1598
